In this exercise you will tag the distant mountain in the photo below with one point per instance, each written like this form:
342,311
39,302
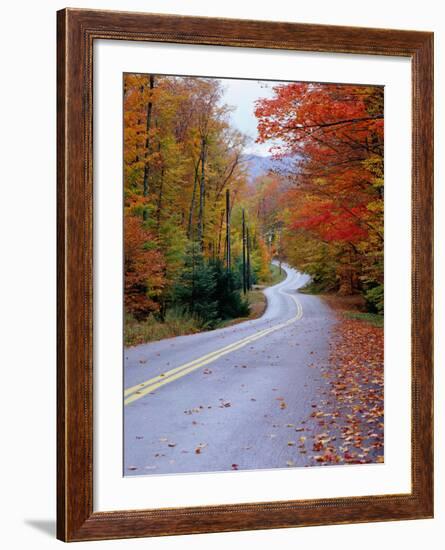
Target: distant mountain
260,166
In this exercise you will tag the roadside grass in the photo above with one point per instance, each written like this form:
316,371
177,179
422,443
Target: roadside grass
179,323
256,297
257,306
373,319
176,323
311,288
276,275
353,307
257,302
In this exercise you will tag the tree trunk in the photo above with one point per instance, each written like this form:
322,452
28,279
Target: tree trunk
145,188
249,283
139,122
201,196
244,255
219,233
192,203
228,258
159,205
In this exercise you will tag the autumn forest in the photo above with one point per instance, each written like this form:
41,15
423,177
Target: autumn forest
205,226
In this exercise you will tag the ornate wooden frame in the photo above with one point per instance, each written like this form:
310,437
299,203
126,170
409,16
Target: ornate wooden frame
77,30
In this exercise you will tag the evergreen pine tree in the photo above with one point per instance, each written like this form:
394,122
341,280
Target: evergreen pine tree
227,293
195,289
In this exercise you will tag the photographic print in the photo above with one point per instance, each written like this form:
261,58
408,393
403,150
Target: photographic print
253,274
228,241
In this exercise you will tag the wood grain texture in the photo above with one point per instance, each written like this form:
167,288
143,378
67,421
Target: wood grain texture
77,30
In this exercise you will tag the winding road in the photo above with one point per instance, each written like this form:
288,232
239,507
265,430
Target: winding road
231,398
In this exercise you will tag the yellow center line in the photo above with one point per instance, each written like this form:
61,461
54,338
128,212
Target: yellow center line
140,390
166,374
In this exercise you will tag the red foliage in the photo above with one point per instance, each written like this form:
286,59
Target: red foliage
144,267
333,223
335,134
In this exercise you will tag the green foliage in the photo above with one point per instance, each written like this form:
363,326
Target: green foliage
323,278
208,291
317,260
196,288
275,275
375,299
372,318
255,272
227,292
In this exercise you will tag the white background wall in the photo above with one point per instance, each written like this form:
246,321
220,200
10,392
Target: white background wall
27,215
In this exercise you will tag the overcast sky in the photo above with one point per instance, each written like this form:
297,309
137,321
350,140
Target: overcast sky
241,94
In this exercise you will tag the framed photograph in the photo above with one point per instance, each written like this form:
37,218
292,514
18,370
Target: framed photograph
245,226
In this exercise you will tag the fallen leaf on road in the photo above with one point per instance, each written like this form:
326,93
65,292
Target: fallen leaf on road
200,447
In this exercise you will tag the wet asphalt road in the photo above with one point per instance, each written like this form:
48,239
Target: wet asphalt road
240,408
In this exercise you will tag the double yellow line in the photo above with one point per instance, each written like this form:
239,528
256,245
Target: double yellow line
140,390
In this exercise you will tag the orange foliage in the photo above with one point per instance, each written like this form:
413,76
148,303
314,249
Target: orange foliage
143,267
333,135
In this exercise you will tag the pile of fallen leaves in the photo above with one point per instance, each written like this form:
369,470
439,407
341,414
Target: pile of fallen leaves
349,416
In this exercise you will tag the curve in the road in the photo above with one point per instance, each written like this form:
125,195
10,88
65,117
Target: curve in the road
138,391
